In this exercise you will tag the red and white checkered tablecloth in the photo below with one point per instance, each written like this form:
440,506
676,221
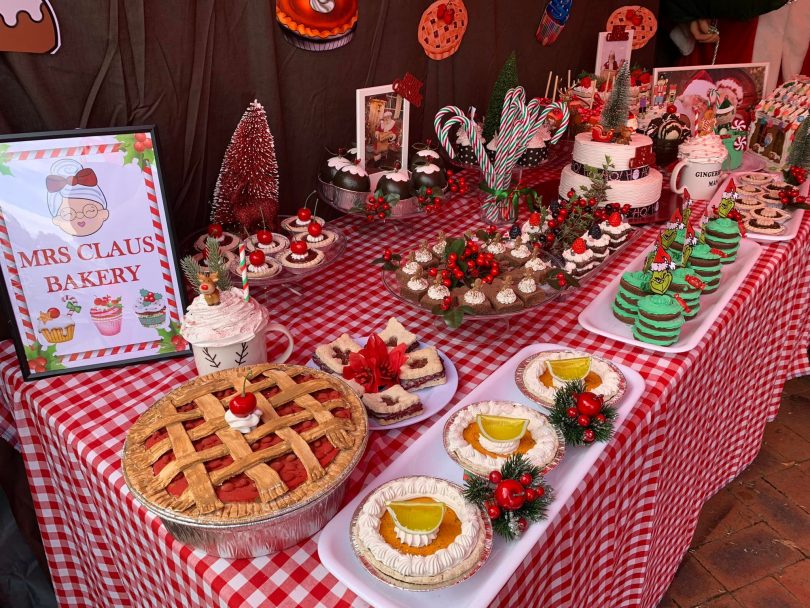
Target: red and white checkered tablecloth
617,542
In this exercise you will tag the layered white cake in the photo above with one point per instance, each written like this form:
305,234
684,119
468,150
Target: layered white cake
631,179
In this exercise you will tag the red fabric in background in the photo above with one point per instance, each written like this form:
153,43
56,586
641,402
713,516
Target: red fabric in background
736,45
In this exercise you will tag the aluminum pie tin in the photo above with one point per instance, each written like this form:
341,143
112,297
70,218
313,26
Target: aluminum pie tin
540,400
261,534
471,469
392,582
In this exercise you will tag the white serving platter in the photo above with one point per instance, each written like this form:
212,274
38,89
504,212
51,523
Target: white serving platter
791,226
433,398
427,456
598,316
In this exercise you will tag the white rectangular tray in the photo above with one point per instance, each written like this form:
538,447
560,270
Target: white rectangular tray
598,316
791,226
427,457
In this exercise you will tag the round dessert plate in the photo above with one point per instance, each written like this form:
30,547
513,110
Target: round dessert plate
524,366
751,163
286,275
358,551
433,398
557,459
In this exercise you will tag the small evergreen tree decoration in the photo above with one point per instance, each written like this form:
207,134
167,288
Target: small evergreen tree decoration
507,79
799,154
247,186
214,263
617,108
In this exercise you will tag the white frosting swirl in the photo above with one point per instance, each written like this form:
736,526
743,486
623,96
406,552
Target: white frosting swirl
703,148
368,526
578,258
258,269
417,284
545,437
423,256
536,264
232,321
499,447
438,292
243,424
496,247
415,539
410,268
506,296
474,297
527,285
322,6
521,252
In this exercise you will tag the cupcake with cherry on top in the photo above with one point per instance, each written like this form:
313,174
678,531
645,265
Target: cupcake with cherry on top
301,256
227,240
267,242
298,224
319,237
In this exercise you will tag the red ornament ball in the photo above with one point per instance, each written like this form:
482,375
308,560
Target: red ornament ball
588,436
495,477
600,418
510,495
572,412
493,511
584,420
589,403
525,480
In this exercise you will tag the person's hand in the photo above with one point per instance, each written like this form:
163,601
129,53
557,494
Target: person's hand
702,31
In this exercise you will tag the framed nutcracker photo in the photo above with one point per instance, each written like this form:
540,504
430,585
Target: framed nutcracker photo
90,277
382,129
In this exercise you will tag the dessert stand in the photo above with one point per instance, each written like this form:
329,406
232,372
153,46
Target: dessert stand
426,456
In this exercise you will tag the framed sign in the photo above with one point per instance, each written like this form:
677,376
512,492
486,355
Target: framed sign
90,277
611,53
382,128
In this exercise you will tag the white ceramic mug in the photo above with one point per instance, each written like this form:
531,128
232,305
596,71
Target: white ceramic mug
701,178
216,358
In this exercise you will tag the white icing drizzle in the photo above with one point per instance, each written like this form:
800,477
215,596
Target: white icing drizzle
438,292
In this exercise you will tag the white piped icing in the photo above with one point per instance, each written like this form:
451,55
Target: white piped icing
536,264
338,161
438,292
496,247
527,228
428,154
417,284
532,373
322,6
353,169
703,148
506,296
258,269
243,424
602,241
499,447
439,247
423,256
521,252
231,321
428,169
415,539
298,256
474,297
368,526
315,239
545,437
527,285
410,268
569,255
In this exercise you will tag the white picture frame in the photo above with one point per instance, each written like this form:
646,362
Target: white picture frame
379,147
610,54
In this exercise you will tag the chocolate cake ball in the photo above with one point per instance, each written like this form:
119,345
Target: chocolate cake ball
430,176
395,182
352,177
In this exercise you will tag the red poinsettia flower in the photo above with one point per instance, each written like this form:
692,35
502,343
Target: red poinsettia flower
363,371
389,368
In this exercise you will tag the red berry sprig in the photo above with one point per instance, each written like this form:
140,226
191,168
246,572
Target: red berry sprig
581,416
456,183
388,260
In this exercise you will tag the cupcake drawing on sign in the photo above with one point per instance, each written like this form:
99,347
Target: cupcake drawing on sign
57,326
150,308
77,205
107,314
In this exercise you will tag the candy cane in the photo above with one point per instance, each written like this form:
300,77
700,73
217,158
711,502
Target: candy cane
457,117
243,271
566,117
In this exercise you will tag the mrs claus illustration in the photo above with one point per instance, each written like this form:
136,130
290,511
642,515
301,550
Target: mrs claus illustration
77,205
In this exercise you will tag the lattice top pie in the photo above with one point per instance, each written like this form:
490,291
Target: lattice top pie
182,456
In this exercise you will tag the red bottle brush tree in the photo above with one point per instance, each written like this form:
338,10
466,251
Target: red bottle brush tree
246,194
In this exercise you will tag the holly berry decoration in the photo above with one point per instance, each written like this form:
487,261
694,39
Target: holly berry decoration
430,199
790,198
512,496
795,176
243,404
257,257
377,206
581,416
456,184
388,260
215,230
265,237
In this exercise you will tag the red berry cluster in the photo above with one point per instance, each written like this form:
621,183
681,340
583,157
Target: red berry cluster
588,406
429,201
511,495
456,183
142,142
149,297
798,174
445,14
789,195
377,207
470,265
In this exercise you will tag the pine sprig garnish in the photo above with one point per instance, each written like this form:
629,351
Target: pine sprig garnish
510,523
565,402
216,263
191,269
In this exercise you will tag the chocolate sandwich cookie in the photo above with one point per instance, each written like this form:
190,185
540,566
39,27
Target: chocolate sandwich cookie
659,320
724,235
688,292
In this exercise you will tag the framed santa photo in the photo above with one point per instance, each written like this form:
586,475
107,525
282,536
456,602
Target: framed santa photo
382,129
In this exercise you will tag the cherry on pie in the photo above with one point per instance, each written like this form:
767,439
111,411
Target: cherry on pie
182,456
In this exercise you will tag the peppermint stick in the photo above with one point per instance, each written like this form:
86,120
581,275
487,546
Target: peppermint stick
243,270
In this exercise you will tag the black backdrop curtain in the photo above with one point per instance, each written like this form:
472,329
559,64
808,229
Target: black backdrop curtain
192,66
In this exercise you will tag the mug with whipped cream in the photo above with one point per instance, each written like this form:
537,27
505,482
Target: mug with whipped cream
230,334
700,167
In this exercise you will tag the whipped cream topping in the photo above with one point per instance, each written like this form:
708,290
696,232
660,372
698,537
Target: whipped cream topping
439,247
232,321
540,137
475,297
521,252
298,256
438,292
417,284
410,268
431,154
496,247
316,239
577,258
536,264
415,539
506,296
258,269
527,285
499,447
423,256
406,488
602,241
541,431
533,371
322,6
243,424
614,231
703,148
527,228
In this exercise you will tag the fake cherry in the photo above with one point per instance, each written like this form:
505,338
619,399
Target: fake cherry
215,230
304,214
298,247
265,237
256,257
315,229
589,404
243,405
510,495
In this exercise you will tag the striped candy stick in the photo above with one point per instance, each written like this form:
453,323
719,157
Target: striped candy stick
243,271
458,118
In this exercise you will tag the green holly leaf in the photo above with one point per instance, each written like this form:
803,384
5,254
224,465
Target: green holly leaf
4,170
32,350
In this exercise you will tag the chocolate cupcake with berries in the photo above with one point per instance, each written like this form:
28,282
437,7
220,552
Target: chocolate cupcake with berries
301,256
298,224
